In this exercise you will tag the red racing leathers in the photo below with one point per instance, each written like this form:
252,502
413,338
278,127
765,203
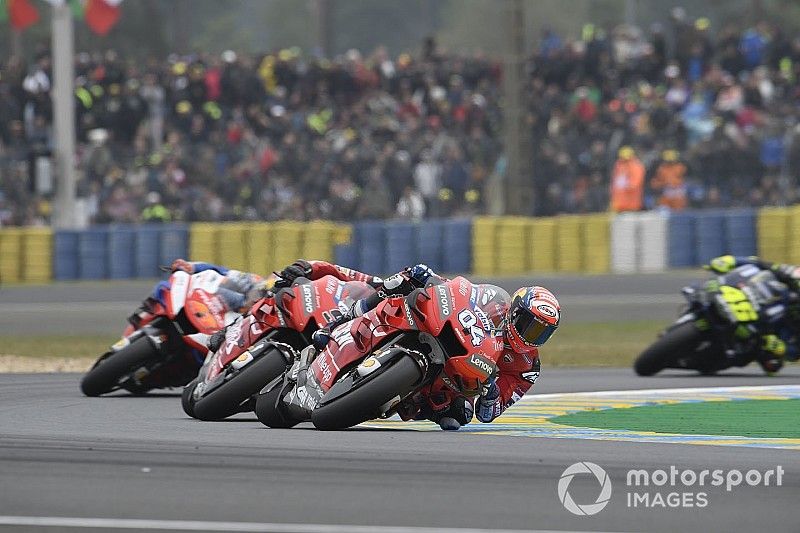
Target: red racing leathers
516,372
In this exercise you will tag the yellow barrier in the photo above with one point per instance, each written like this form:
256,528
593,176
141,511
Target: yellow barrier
512,244
773,229
37,255
288,243
793,236
232,245
596,243
260,247
203,242
569,242
542,248
11,255
484,242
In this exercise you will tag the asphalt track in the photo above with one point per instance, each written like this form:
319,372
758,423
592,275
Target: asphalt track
123,457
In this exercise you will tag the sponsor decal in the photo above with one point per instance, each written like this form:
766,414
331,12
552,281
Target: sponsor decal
444,301
488,295
447,381
481,363
308,298
508,358
530,376
368,362
214,306
463,287
330,285
326,369
409,315
547,310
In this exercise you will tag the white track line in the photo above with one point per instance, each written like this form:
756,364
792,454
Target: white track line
264,527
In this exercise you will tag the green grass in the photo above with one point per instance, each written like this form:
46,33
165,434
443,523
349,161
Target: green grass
56,345
594,344
744,418
599,344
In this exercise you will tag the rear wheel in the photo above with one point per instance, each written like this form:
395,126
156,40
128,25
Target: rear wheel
674,344
227,399
363,402
108,372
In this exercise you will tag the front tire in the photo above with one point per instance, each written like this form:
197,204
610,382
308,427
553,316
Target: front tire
269,412
666,350
363,402
187,398
107,373
226,400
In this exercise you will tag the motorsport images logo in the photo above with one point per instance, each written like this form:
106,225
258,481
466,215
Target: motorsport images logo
663,488
589,509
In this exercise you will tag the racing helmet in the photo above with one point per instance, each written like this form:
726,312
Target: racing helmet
532,318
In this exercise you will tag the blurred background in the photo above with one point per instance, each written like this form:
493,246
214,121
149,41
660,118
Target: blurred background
189,111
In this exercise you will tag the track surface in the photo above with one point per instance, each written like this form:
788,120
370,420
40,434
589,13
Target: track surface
125,457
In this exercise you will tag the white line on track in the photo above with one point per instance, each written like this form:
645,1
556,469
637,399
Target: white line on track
265,527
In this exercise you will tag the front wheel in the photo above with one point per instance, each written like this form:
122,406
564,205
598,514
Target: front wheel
107,374
674,344
227,399
363,402
270,412
187,398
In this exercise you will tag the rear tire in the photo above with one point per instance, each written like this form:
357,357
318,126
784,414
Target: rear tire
667,349
107,373
363,402
269,412
187,399
226,400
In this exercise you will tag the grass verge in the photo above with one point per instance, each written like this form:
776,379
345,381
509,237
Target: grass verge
745,418
587,344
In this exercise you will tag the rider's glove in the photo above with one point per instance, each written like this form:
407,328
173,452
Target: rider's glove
774,345
721,264
216,340
182,264
298,269
321,338
485,405
420,273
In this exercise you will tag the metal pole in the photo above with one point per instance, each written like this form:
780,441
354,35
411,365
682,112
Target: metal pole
322,11
64,215
518,192
16,43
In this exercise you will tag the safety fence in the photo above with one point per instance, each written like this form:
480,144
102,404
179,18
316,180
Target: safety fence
488,246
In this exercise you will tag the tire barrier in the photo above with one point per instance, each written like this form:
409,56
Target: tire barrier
487,246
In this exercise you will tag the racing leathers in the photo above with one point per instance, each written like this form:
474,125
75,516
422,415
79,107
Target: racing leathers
516,372
781,344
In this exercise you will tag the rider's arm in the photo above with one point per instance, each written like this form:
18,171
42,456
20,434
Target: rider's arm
193,267
787,273
506,389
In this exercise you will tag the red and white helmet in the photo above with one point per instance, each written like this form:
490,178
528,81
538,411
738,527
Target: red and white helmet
532,318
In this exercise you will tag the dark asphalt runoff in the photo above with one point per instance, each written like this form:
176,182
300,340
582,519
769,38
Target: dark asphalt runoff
123,457
99,308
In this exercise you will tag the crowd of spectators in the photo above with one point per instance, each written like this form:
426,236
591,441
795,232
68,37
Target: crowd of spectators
710,115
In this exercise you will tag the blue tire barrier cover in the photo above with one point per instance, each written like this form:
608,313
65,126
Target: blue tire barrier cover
681,240
121,247
457,246
66,265
430,244
147,254
401,249
93,253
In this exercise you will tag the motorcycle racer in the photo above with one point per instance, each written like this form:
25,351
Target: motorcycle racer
783,344
240,289
531,317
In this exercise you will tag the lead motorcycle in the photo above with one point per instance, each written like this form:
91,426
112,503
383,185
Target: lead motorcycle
722,325
166,343
443,341
258,346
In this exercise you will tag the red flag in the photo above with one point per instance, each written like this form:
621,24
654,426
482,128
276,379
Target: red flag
101,15
22,14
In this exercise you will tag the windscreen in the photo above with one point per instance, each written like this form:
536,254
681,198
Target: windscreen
492,300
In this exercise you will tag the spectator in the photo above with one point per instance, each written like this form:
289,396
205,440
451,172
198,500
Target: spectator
668,181
411,206
627,182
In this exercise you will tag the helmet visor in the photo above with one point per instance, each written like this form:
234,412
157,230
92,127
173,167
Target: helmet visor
530,329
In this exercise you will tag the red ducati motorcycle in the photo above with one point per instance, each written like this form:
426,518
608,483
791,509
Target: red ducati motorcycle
167,344
259,345
443,341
